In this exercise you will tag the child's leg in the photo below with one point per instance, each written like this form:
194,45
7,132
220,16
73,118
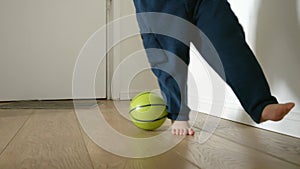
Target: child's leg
169,59
242,71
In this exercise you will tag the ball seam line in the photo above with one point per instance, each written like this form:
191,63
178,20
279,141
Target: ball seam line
146,105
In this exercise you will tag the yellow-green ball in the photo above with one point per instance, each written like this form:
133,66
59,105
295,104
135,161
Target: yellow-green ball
148,111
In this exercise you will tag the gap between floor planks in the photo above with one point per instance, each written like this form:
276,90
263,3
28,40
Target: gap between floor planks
10,123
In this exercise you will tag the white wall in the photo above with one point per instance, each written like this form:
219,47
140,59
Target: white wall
39,44
272,29
130,69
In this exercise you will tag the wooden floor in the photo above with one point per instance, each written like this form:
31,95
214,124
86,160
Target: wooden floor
51,137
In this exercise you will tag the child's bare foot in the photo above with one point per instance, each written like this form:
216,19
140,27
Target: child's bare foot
276,112
181,128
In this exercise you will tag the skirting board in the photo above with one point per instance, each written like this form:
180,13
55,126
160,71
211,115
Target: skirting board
290,125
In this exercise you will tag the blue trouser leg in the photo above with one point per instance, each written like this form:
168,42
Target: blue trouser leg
170,71
242,71
216,19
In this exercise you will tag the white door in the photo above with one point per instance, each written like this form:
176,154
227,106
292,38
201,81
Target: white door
40,42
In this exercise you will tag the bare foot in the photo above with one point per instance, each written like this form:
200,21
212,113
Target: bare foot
181,128
276,112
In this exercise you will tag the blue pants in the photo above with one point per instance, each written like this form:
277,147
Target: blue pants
217,21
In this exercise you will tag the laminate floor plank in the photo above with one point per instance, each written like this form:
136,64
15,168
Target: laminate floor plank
221,153
232,145
49,139
274,144
52,138
10,123
103,159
